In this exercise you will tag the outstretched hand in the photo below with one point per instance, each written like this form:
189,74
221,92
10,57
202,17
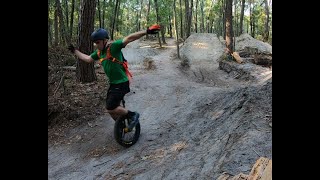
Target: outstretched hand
154,29
71,48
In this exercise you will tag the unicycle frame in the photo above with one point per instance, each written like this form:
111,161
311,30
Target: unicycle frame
121,130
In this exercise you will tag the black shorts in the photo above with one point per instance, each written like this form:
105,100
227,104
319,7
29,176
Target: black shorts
115,94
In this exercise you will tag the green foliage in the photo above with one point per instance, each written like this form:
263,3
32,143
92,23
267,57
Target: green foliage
128,21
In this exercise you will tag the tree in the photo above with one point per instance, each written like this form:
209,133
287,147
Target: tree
159,22
71,20
147,16
188,11
66,31
103,12
175,26
61,22
229,30
84,71
49,26
99,14
56,29
196,17
266,25
115,15
181,25
202,16
241,16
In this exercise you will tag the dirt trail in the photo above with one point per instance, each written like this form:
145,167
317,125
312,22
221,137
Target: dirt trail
179,138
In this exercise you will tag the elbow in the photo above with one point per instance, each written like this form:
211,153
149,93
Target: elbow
89,60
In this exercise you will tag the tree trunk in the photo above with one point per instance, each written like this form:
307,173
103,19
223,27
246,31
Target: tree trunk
187,25
49,27
114,20
56,29
235,20
68,38
175,27
241,16
85,72
61,23
196,18
202,17
103,13
190,18
140,14
181,24
252,30
137,17
229,31
99,14
148,12
159,22
71,19
224,18
170,26
266,25
117,19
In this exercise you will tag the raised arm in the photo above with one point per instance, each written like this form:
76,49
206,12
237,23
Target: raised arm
134,36
80,55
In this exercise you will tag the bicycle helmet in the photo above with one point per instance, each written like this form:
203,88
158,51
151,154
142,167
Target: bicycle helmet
99,34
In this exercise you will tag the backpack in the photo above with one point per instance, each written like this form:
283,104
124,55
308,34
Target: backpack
113,59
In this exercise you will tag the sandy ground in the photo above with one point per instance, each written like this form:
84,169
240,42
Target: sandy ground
192,126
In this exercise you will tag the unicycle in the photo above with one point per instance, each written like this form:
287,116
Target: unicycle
124,136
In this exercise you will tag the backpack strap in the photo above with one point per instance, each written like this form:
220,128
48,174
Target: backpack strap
113,59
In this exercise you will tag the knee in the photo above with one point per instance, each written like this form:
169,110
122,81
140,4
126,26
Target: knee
111,110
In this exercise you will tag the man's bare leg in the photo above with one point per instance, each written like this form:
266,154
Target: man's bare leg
118,111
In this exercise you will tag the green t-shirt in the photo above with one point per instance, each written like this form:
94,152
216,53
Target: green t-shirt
114,71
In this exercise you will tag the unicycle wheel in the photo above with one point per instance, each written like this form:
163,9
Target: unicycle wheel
123,136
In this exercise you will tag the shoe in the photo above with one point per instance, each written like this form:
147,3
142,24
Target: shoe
134,120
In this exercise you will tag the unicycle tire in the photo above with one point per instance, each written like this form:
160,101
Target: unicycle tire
126,139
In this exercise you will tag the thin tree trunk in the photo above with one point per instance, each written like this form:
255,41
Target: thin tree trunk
140,14
84,71
190,17
196,20
181,24
61,23
235,19
170,26
175,27
229,31
187,25
112,5
251,19
202,17
78,10
115,16
266,25
56,29
49,27
117,19
159,22
99,14
103,13
71,19
114,19
137,17
67,21
147,19
241,16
